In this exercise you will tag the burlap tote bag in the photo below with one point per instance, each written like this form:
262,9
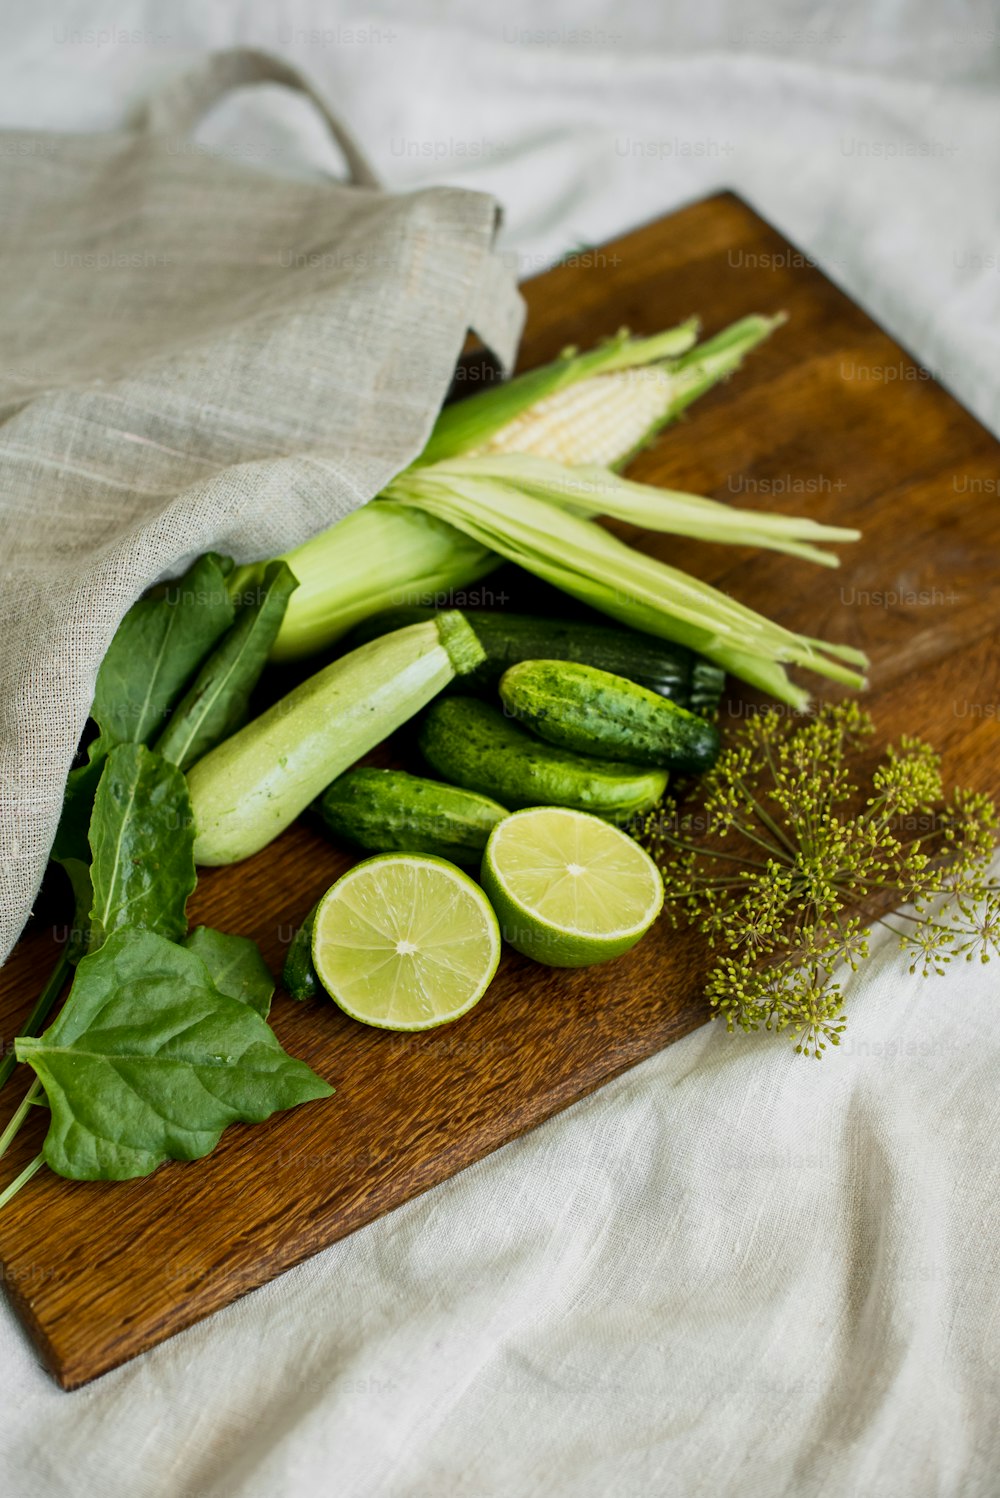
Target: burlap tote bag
195,355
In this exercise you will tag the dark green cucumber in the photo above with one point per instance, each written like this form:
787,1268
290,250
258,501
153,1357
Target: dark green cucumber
593,712
665,668
475,746
298,975
388,811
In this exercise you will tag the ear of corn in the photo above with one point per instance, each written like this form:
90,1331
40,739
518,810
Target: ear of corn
517,470
371,561
594,421
587,413
467,425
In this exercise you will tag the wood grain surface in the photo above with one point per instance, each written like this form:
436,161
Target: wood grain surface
831,419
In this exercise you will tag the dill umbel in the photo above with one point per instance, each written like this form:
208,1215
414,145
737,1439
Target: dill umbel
796,827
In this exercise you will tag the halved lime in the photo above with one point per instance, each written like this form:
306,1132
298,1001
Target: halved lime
569,888
405,941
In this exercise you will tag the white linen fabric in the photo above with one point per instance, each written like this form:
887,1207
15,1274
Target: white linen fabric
731,1271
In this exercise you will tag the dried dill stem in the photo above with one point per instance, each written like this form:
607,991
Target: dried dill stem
783,843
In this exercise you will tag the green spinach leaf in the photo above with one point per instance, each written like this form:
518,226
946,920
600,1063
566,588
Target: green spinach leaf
215,705
71,848
149,1062
235,966
156,649
142,841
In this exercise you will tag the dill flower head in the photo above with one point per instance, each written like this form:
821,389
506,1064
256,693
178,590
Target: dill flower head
785,844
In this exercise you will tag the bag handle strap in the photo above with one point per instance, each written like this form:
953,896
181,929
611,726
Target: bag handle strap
497,314
179,104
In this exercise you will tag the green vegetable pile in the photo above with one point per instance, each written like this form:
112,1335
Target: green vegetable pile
163,1040
785,842
487,762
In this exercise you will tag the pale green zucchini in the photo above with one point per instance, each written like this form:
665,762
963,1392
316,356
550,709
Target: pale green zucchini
253,785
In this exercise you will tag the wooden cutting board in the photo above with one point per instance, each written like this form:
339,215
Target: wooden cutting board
830,418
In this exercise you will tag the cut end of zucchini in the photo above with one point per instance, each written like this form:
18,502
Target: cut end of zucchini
460,640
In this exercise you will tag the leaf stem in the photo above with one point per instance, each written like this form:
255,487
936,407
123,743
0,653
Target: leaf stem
775,830
21,1180
762,842
31,1096
43,1007
686,847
